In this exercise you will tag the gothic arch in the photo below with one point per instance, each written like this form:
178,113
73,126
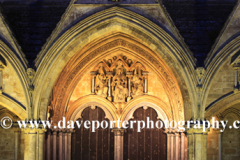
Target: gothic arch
222,105
104,26
18,67
213,65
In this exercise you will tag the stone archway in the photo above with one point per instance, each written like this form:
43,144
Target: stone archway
94,54
118,74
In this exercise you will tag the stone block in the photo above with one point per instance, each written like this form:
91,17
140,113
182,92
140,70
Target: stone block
230,151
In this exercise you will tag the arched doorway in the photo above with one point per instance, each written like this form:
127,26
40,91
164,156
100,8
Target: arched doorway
88,145
149,143
117,73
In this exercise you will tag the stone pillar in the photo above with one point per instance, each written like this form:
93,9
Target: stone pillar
204,149
49,145
16,133
93,75
60,150
69,136
190,137
118,143
30,135
172,146
182,146
41,137
197,144
54,145
176,145
65,145
167,131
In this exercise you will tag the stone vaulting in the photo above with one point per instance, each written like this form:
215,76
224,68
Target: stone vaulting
119,60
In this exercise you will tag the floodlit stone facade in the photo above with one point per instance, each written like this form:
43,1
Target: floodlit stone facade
119,60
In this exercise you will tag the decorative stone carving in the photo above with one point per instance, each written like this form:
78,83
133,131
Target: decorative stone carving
119,84
64,81
30,73
137,83
200,73
101,85
120,79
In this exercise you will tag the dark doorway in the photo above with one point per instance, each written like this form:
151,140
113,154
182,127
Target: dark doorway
88,145
149,144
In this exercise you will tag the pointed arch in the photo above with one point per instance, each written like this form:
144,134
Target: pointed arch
219,59
15,65
102,26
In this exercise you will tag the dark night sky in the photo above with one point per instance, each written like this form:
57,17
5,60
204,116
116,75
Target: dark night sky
198,21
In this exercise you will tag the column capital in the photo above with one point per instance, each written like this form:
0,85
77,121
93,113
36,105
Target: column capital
118,131
193,130
64,130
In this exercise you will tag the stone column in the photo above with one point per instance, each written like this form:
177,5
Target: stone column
69,139
54,144
41,136
49,145
118,143
167,131
65,145
176,145
30,143
16,133
93,75
172,146
204,146
190,137
182,146
197,144
60,150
